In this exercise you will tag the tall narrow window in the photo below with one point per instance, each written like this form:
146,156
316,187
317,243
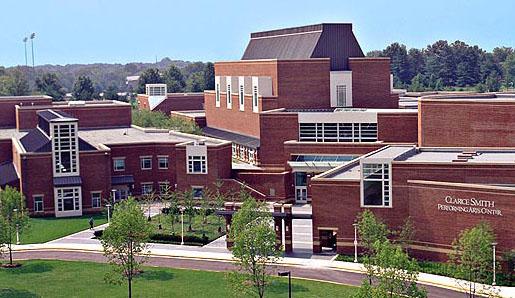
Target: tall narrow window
241,96
38,203
229,98
96,199
217,92
341,95
375,189
255,95
65,149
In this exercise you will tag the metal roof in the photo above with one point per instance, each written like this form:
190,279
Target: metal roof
8,173
334,41
122,180
36,141
67,181
231,136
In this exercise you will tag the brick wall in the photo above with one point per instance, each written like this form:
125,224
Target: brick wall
6,153
276,128
371,83
397,127
466,123
263,181
95,171
7,107
36,179
90,116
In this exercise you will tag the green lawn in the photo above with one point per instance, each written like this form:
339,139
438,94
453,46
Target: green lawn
41,230
210,228
40,278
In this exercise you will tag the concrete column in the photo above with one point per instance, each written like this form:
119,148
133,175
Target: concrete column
278,226
288,229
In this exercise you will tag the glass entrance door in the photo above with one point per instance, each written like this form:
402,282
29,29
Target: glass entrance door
301,188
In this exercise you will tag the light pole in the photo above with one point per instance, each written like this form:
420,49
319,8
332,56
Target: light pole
493,257
113,192
17,228
355,242
32,36
182,225
25,45
286,273
108,212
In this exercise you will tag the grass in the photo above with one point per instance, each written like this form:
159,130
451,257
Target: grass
210,229
86,279
44,229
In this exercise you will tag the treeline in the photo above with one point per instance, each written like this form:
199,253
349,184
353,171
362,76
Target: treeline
87,85
455,66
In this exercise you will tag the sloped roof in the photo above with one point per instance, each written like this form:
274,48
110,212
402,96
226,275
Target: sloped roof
334,41
67,181
7,173
231,136
36,141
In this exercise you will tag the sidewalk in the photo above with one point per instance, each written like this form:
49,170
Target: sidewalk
222,254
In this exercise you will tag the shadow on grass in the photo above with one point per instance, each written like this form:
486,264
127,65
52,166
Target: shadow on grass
16,293
280,287
34,267
156,275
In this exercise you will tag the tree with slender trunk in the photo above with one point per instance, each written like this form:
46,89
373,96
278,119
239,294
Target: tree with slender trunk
14,219
124,243
254,248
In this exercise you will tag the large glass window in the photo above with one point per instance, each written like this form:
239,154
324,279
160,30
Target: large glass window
376,185
197,165
68,199
65,150
338,132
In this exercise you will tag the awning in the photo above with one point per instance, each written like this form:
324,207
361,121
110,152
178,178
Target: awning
239,139
122,180
67,181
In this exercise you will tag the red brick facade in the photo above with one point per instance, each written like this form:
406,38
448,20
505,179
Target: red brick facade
8,104
466,123
371,83
174,102
397,127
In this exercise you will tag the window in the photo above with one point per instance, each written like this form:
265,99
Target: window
229,98
341,95
241,96
68,199
217,95
146,162
38,203
164,187
121,194
146,188
119,164
197,165
338,132
198,192
65,149
162,162
96,198
375,189
255,99
156,89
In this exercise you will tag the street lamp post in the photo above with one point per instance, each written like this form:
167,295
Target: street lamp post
113,192
25,45
182,225
287,273
32,36
108,212
493,259
355,242
17,228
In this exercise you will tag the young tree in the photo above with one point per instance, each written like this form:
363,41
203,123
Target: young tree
370,230
406,234
13,217
392,272
83,88
218,201
50,85
254,247
149,76
472,256
174,79
188,203
124,242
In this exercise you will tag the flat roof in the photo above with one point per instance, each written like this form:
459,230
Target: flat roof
440,155
77,104
350,171
134,135
8,133
389,152
193,113
344,110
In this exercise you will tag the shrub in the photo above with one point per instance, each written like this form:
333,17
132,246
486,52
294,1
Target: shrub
188,239
98,233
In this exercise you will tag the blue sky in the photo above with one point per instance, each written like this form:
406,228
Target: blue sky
87,31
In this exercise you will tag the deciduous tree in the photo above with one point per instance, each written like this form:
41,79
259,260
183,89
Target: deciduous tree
149,76
50,85
83,88
124,242
13,218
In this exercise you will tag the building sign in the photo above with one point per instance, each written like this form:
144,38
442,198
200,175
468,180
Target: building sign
472,205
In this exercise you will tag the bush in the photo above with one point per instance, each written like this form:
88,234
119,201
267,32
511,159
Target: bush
145,118
176,239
